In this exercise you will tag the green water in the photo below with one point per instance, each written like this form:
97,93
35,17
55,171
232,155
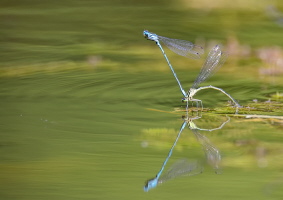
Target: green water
80,135
89,109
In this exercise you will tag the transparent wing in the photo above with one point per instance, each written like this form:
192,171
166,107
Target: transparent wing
213,62
182,47
212,153
182,168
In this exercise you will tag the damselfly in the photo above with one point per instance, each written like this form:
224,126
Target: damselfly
181,47
214,61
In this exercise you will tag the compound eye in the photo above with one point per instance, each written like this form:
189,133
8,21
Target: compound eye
146,36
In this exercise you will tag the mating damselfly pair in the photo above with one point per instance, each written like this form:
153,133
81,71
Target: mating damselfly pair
215,59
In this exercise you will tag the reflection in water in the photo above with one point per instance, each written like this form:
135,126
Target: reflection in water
185,167
213,156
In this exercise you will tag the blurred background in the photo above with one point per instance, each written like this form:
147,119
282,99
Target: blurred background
90,109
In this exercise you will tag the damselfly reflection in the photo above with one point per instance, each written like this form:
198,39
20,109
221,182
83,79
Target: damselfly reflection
212,154
186,167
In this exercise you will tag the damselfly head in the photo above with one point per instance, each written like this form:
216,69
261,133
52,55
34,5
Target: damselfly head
184,100
150,36
145,34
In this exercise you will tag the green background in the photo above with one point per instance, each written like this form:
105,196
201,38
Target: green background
89,108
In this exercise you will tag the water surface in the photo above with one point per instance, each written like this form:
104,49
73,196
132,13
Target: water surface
89,109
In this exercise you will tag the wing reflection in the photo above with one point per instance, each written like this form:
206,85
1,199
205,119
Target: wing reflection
188,167
212,153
